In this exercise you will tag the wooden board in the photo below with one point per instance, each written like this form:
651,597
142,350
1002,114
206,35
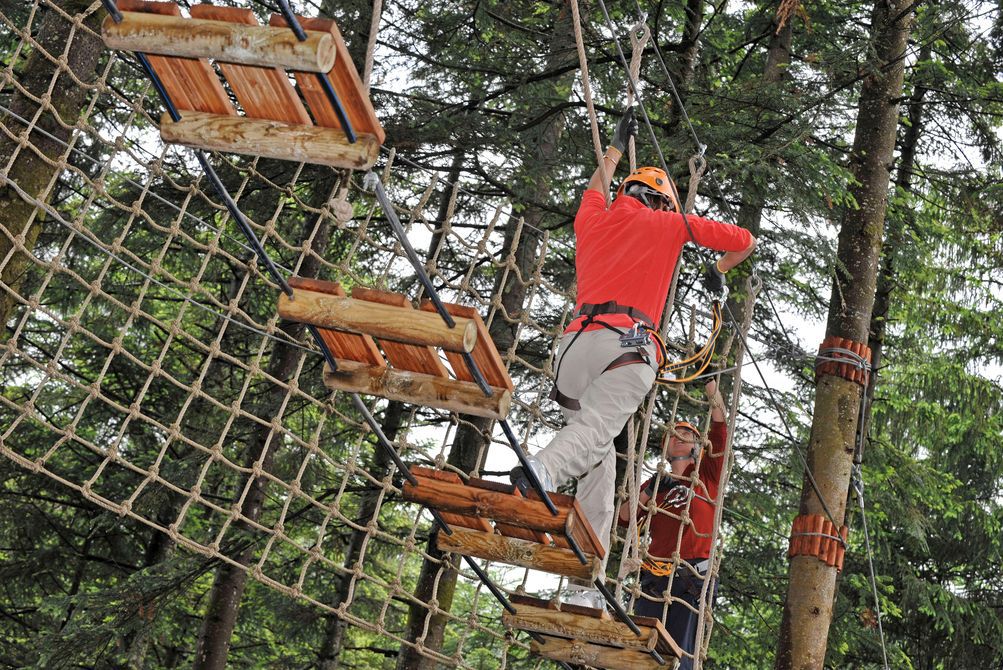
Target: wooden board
382,321
345,346
523,553
403,356
168,35
460,520
191,83
345,80
263,92
496,502
485,353
589,625
269,139
419,389
580,653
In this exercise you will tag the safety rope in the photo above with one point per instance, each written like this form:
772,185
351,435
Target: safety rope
637,44
583,66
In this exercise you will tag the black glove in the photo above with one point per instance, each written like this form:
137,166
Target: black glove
713,278
625,129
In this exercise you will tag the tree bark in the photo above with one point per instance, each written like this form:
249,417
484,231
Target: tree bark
689,52
228,587
21,221
812,583
894,239
328,657
778,57
425,628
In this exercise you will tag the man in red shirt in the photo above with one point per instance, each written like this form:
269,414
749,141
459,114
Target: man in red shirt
624,259
672,577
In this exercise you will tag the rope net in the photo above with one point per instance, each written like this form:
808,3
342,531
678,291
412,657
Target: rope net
144,367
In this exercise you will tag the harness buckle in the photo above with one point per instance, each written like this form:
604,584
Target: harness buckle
637,336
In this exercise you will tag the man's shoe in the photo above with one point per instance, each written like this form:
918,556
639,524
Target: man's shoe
518,476
583,596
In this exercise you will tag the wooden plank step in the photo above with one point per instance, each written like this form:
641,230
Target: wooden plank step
403,356
485,353
496,501
344,346
508,529
589,626
191,83
172,35
268,139
461,520
382,321
578,653
523,553
345,80
418,388
263,92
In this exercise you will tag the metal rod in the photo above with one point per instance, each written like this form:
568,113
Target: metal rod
575,548
476,373
384,442
526,468
372,181
495,591
621,614
325,82
439,520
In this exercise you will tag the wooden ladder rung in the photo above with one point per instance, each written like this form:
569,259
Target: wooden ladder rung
523,527
589,636
378,320
269,139
173,35
253,59
190,82
346,82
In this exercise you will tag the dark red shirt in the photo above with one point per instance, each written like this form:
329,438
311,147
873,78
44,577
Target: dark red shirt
673,496
627,253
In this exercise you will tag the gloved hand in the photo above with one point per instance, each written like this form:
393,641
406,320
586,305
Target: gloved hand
713,278
625,129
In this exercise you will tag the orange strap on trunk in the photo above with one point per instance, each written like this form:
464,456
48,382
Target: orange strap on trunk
814,535
844,358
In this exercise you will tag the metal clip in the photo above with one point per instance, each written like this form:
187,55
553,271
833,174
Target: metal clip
635,337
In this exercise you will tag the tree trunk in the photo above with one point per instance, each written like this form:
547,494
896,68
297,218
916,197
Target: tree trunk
689,52
426,629
812,586
778,57
228,586
20,220
369,506
894,238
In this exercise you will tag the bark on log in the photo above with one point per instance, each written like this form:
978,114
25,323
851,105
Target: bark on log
36,167
263,46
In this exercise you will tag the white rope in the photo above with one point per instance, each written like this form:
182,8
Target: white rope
637,44
374,31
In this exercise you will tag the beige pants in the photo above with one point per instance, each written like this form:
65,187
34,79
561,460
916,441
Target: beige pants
583,449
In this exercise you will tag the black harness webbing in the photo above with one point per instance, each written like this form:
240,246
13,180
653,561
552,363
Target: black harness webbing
612,307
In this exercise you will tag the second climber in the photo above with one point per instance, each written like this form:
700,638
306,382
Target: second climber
625,256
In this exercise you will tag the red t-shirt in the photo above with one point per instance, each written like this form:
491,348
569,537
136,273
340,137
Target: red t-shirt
627,253
673,495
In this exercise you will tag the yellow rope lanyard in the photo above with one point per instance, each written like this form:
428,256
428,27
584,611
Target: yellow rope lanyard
668,371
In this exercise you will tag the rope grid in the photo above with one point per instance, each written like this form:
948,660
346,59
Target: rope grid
145,367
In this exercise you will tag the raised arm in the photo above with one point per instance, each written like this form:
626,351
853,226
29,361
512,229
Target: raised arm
625,129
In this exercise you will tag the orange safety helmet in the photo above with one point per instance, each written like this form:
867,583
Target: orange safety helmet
656,180
697,443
